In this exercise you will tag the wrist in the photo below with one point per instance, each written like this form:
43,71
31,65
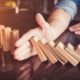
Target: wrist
59,15
59,21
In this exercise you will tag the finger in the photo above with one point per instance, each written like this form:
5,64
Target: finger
77,32
23,54
22,41
32,53
76,25
26,37
72,29
40,20
20,49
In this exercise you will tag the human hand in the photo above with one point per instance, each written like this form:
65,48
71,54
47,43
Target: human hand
75,29
24,49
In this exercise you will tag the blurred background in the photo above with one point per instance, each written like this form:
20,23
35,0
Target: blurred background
21,13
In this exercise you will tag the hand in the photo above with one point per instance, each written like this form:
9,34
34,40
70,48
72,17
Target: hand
75,29
24,49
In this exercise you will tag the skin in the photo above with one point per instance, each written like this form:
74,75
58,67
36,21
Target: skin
57,23
75,29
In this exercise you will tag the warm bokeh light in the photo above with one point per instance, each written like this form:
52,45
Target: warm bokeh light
11,4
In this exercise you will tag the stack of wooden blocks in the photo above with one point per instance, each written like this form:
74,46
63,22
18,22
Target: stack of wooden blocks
8,38
54,53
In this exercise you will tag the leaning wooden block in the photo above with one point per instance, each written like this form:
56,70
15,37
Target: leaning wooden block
56,53
78,49
1,40
40,53
60,47
14,36
72,52
42,45
6,39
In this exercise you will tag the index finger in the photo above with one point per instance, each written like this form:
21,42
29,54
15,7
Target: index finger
28,36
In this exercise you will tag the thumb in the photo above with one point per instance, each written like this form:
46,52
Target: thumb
40,20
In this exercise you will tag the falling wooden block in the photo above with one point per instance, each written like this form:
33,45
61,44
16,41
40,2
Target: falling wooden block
56,53
14,36
60,47
78,49
40,53
6,39
1,40
42,45
72,52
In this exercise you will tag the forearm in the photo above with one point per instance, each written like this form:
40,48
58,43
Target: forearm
59,20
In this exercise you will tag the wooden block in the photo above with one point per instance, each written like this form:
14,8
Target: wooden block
42,45
60,47
78,49
40,53
1,40
6,39
14,36
72,52
56,53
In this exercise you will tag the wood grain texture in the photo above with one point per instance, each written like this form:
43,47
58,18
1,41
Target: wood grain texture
40,53
50,56
60,47
6,39
72,52
57,54
14,36
1,36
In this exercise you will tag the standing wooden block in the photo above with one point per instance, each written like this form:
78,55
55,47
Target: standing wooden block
72,52
57,54
40,53
42,45
78,49
2,60
6,39
60,47
1,40
14,36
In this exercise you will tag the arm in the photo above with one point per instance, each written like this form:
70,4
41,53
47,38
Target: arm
60,18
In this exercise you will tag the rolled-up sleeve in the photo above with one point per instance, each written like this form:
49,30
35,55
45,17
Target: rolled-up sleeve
70,6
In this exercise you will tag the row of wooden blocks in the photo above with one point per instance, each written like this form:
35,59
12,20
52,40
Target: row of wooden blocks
8,38
45,50
54,53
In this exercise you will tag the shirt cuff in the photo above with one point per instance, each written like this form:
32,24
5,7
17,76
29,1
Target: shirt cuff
69,6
